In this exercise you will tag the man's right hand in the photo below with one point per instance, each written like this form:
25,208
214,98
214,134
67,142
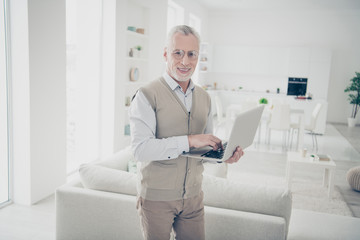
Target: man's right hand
203,140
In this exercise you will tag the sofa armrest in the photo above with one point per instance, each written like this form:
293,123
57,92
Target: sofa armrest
74,183
93,214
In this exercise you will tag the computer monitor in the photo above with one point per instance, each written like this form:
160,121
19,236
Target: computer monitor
297,86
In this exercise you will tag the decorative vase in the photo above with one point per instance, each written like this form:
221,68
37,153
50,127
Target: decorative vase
351,122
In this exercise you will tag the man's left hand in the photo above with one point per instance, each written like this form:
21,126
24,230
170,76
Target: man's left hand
238,153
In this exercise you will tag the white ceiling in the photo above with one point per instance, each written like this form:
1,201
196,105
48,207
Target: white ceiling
280,4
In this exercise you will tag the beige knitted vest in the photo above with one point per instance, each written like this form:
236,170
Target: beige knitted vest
179,178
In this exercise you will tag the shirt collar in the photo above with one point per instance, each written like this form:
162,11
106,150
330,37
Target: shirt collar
173,84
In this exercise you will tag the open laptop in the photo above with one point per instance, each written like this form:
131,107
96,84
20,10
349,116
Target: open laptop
242,134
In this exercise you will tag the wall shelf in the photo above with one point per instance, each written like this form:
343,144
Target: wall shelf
137,15
136,59
135,34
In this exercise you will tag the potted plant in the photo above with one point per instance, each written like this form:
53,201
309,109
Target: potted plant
263,101
354,98
138,48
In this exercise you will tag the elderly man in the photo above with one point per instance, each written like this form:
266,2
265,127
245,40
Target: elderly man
168,117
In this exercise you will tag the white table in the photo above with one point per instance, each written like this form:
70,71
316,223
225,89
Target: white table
294,160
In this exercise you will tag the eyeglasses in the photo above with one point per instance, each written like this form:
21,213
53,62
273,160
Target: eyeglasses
179,54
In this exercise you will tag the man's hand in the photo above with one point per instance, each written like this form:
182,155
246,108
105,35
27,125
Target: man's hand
238,153
203,140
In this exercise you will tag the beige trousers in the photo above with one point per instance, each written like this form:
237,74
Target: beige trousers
185,216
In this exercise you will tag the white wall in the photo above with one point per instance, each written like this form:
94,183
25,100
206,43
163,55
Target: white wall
47,96
108,69
157,37
337,31
38,98
262,68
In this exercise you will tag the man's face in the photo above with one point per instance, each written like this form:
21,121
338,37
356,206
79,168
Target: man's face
181,56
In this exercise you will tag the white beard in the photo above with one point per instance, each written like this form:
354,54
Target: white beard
180,78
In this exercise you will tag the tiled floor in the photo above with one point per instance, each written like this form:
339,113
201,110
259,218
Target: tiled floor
351,134
38,221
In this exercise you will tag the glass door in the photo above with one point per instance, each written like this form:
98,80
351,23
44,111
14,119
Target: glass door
4,136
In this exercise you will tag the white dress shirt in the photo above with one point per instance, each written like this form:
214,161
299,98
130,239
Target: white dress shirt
143,126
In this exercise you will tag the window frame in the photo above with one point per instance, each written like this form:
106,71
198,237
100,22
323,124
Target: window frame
5,16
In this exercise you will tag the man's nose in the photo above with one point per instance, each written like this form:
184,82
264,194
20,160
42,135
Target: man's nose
185,60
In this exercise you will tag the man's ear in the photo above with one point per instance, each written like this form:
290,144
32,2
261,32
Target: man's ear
165,54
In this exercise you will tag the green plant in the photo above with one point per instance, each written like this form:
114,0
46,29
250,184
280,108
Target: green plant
138,47
263,101
354,99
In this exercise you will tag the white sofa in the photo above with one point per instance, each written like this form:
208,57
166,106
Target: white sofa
101,205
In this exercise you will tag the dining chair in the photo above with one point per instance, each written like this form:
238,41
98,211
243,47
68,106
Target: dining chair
264,121
280,121
294,126
313,122
222,121
309,127
219,109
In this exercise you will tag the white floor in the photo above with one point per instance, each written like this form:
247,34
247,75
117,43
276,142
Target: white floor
331,143
38,221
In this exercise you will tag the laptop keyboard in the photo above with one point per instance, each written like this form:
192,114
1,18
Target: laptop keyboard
218,154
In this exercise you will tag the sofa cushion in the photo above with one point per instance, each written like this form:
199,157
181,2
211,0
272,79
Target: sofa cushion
107,179
269,200
118,160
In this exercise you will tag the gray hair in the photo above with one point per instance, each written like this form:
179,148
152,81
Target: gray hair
185,30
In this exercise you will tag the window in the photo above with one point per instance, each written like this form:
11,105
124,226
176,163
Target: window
83,63
175,15
195,22
4,114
